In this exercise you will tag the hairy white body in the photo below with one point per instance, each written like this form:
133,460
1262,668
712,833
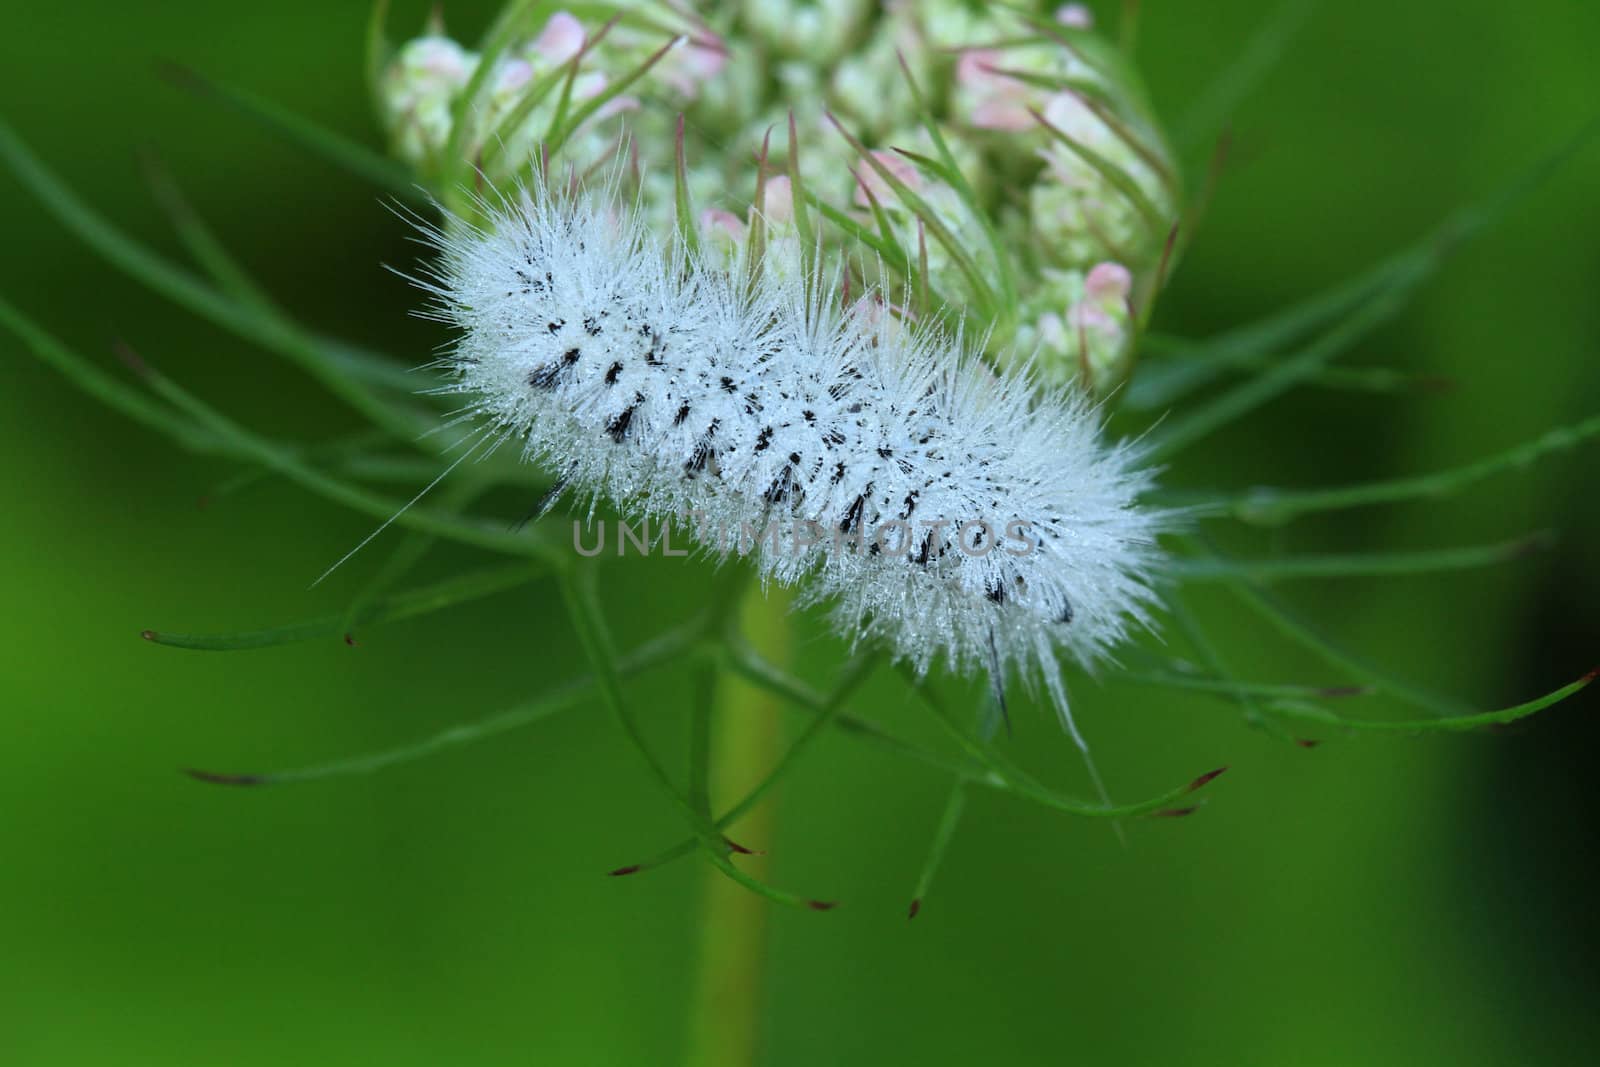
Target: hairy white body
644,375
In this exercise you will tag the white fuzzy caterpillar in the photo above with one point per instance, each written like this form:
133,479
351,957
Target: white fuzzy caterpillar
646,375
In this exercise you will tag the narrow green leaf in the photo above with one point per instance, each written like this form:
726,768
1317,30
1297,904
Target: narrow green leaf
1270,507
413,547
1016,780
701,701
892,253
954,806
569,79
451,163
664,649
1196,635
1124,183
614,87
379,50
688,230
1450,724
1234,691
588,622
802,215
1159,386
1214,106
1307,636
748,665
475,585
201,242
828,712
532,96
983,293
948,170
1356,565
320,141
117,395
1184,430
286,462
271,332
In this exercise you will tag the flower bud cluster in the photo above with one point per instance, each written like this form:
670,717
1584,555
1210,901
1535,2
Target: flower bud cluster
998,167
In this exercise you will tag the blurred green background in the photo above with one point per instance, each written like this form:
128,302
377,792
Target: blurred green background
1379,901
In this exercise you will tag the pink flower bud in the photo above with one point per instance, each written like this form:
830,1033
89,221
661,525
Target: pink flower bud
1000,102
561,39
1108,283
1076,16
778,200
693,62
511,75
869,180
719,223
1068,113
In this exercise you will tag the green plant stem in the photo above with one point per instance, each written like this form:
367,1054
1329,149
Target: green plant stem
725,1014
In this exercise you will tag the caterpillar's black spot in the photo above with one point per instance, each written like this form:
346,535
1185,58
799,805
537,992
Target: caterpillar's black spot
910,504
794,457
592,327
833,438
853,515
618,427
995,592
854,409
809,415
555,327
886,453
613,373
763,439
546,501
549,375
683,413
1065,615
781,488
728,386
752,404
699,458
838,473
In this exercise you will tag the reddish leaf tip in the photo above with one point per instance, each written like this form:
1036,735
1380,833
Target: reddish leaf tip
741,850
1307,742
822,905
215,778
132,359
916,906
1176,813
632,868
1205,779
350,639
148,635
1591,676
